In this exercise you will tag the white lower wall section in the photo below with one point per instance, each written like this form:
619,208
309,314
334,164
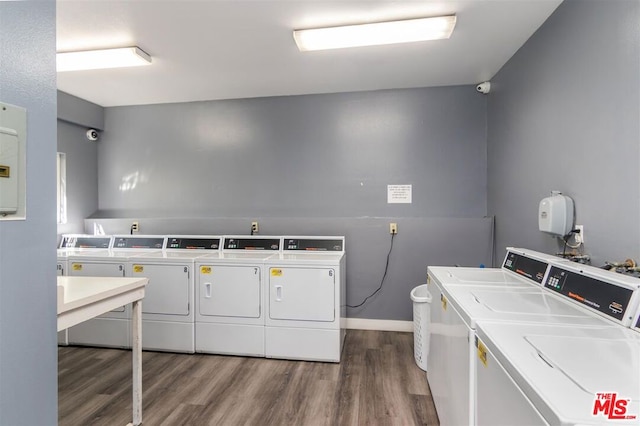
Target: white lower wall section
380,325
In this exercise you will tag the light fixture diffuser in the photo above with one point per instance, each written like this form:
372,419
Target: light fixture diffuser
101,59
390,32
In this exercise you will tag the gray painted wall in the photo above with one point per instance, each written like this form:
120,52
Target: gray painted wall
75,117
308,156
78,111
317,164
82,175
564,115
28,352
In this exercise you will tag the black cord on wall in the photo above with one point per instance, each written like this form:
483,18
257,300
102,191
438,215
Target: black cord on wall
386,269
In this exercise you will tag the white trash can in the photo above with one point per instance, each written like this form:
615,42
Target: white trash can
421,319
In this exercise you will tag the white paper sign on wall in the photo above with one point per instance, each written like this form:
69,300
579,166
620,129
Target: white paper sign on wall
399,194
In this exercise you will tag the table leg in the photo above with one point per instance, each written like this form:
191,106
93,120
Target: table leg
136,349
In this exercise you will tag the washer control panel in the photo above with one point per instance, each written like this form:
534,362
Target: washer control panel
233,243
531,269
604,294
193,243
291,244
85,241
135,242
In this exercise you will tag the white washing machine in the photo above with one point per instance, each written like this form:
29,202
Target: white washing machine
70,244
451,362
230,310
521,267
539,374
168,319
306,295
113,328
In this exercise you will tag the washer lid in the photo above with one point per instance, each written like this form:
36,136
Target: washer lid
475,275
449,275
562,369
515,305
605,369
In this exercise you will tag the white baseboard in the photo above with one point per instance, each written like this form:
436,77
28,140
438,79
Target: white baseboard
380,325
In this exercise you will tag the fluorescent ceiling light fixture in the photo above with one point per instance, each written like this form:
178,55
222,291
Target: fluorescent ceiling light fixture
390,32
100,59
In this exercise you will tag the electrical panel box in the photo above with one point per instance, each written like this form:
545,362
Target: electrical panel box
13,129
555,215
8,170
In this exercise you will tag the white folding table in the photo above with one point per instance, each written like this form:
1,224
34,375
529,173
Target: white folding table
83,298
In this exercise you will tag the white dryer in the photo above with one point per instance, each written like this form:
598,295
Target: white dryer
230,309
557,375
113,328
168,319
74,243
306,299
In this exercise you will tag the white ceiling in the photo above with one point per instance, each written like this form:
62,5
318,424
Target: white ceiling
225,49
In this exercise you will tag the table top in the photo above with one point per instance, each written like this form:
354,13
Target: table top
75,292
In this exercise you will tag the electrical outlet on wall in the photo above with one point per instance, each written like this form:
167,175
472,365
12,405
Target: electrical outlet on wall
579,236
393,228
254,227
135,227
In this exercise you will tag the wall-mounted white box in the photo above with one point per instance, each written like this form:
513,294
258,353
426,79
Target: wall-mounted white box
555,214
13,138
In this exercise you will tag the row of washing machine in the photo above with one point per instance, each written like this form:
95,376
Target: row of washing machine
279,297
540,341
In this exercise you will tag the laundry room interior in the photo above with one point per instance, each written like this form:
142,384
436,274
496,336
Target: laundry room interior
495,171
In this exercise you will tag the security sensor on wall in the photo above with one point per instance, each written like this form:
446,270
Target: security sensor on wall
484,88
92,135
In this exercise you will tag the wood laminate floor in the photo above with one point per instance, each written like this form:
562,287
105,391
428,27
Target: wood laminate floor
377,383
